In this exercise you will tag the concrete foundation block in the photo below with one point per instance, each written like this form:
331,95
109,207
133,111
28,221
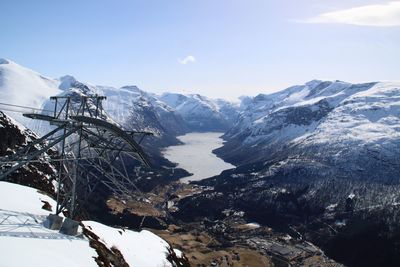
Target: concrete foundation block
69,227
53,222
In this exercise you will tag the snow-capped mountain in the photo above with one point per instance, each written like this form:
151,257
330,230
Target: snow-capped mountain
140,110
334,120
202,113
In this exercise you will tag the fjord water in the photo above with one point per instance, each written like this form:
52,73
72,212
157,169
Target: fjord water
196,155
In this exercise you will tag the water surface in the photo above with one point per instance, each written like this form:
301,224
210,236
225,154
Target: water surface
196,156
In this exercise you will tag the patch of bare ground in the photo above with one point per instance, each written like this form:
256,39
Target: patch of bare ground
140,208
154,203
203,250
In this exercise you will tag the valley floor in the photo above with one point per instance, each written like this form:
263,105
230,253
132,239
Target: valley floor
229,241
198,248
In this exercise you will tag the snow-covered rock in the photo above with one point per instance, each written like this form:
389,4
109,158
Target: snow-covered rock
41,174
24,241
138,248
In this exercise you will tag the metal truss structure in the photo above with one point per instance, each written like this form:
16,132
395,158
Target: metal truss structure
92,151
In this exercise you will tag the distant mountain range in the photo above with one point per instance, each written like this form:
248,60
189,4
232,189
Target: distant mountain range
334,123
202,113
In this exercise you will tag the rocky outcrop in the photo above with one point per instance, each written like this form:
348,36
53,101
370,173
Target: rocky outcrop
40,174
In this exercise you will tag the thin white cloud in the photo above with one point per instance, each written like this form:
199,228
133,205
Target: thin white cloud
379,15
186,60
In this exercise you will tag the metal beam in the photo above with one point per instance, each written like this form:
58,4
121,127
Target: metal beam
118,132
35,154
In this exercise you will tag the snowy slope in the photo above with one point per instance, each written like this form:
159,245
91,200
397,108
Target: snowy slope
202,113
24,241
367,116
24,87
19,198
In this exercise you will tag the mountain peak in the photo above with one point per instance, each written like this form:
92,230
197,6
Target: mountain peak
130,87
67,77
4,61
66,82
313,83
133,89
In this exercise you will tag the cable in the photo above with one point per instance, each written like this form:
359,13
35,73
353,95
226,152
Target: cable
10,110
18,106
15,111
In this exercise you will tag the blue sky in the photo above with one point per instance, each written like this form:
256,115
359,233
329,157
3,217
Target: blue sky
220,48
